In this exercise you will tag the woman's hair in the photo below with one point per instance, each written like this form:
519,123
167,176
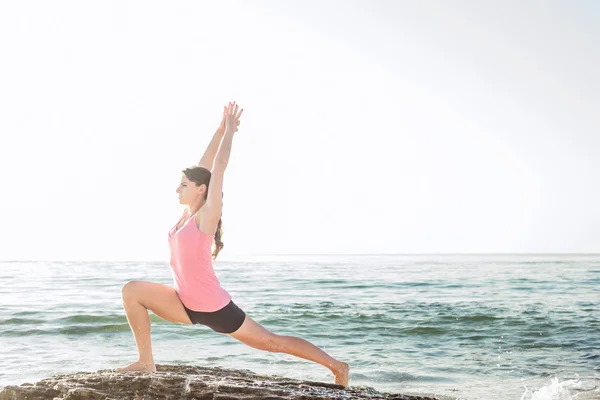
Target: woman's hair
201,176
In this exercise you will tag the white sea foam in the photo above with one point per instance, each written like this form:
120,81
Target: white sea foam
554,391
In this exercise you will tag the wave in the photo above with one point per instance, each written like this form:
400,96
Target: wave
462,322
554,391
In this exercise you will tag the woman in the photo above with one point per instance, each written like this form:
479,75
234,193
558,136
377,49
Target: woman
197,297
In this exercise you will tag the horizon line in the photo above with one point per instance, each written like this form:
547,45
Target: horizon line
317,254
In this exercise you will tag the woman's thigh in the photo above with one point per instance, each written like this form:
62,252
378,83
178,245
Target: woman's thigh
255,335
161,299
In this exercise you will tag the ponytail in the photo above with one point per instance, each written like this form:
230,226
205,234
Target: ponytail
218,243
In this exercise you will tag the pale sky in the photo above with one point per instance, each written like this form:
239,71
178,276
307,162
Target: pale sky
369,126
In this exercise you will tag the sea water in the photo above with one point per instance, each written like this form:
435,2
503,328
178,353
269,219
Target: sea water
454,326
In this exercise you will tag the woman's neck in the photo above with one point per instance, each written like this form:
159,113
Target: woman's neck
193,209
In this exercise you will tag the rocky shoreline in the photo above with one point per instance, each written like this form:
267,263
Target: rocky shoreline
187,382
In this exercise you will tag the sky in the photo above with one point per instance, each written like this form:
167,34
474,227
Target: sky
369,127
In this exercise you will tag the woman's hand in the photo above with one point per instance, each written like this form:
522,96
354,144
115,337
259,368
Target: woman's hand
231,117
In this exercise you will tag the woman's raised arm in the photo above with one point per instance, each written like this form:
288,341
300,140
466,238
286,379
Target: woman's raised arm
208,158
214,199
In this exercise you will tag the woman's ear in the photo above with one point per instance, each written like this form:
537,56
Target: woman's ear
202,189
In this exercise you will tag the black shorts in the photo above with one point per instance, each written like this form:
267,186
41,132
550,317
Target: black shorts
226,320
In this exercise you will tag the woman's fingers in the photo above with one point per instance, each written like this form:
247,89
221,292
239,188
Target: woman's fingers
233,110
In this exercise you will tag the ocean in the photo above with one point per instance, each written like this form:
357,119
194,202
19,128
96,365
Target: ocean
508,327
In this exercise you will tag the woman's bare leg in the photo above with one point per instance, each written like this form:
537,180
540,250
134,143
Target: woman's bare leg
255,335
162,300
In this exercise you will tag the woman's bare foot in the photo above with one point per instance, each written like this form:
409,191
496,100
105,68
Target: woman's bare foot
341,374
138,366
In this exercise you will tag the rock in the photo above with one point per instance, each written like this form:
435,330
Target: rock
187,382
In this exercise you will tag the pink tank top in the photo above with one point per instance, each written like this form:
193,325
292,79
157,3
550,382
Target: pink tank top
194,278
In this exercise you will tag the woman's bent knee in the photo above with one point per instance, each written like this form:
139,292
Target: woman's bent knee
128,290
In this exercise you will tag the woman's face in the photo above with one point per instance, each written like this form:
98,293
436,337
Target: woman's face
188,191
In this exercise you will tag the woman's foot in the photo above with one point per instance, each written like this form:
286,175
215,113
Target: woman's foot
138,366
341,374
